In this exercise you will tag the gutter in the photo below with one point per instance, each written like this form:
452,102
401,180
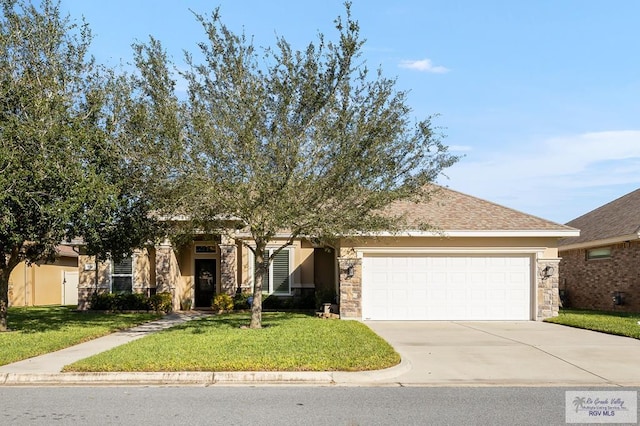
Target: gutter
599,243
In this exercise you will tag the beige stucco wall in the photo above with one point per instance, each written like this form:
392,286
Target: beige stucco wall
34,285
304,263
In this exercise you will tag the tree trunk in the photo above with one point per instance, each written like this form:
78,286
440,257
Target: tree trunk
262,268
5,273
4,298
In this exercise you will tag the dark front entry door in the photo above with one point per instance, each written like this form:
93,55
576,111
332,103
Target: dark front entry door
205,282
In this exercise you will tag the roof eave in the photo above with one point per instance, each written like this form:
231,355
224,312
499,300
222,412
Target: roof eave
600,242
548,233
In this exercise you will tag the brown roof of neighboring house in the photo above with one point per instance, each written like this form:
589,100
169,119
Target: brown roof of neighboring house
450,210
65,251
618,219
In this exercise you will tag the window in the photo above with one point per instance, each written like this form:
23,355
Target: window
278,280
599,253
122,276
205,249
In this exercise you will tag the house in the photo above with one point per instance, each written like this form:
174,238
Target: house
46,283
481,262
600,268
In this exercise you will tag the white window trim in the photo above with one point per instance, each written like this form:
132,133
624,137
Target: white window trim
270,249
112,274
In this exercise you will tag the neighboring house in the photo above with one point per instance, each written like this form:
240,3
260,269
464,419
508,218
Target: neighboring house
46,283
600,269
483,262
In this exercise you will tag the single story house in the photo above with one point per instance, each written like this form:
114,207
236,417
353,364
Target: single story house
482,261
600,268
46,283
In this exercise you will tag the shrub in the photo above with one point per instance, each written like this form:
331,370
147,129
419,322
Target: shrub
222,302
306,300
161,302
277,302
241,301
102,302
327,295
130,302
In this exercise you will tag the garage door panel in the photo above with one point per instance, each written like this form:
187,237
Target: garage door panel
425,287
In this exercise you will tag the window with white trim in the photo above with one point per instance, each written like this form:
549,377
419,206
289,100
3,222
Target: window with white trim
278,280
122,276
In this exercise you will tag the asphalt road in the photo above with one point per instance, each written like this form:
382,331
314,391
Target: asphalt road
270,405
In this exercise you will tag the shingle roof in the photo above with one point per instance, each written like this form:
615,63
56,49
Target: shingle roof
619,218
450,210
66,251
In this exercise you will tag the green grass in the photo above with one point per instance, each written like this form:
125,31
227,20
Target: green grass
42,329
287,342
620,323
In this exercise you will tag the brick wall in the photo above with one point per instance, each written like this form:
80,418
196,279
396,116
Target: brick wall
590,284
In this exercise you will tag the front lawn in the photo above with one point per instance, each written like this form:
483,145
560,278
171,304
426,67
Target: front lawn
42,329
620,323
288,342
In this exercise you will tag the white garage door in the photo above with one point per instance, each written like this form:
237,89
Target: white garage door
446,287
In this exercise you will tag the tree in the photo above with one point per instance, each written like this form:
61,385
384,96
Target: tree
115,213
63,166
306,143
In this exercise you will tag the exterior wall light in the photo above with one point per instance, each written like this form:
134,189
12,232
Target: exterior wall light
547,272
350,271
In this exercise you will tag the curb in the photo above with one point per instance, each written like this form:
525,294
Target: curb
204,378
159,378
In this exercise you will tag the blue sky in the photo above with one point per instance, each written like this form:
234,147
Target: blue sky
541,97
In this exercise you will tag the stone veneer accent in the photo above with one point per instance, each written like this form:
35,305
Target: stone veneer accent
547,289
590,284
164,256
228,266
350,288
87,277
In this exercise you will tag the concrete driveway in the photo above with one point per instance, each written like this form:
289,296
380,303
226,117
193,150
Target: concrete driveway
509,353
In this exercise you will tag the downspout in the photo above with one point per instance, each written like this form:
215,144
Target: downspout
25,285
95,290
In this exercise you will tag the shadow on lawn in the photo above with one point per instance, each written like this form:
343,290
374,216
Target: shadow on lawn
52,318
238,321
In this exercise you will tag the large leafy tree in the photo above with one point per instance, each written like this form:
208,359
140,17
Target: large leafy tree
63,166
284,142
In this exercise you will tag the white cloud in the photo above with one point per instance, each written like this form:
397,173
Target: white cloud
424,65
558,178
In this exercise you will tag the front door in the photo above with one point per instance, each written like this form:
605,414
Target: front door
205,285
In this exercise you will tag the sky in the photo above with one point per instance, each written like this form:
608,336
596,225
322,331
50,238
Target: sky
540,98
